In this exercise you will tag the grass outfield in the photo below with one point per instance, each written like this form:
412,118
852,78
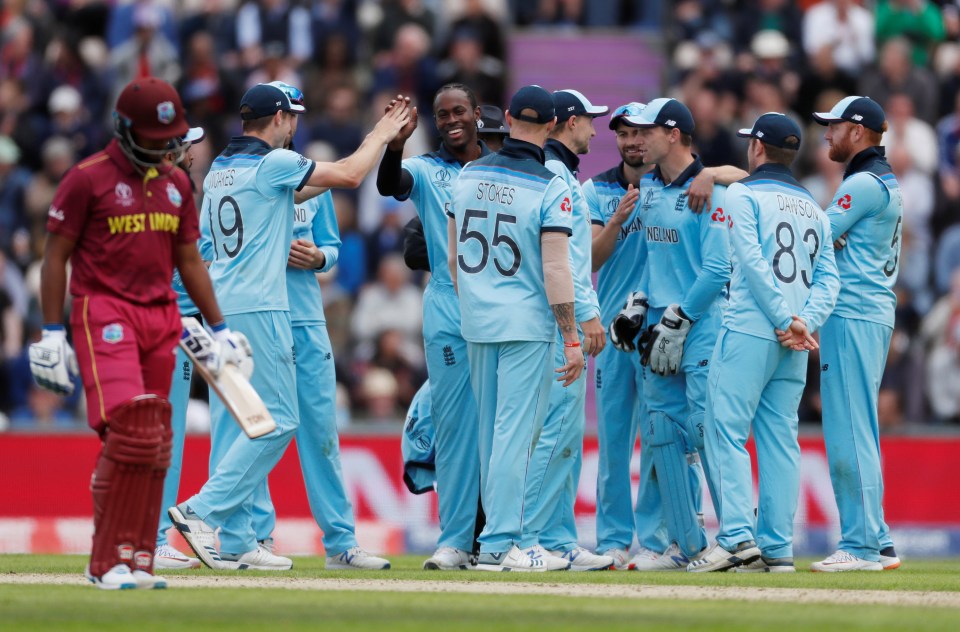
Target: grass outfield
272,606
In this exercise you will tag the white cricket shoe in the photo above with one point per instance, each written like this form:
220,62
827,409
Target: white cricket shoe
621,558
889,559
718,558
148,581
117,578
583,560
201,537
165,556
842,561
259,559
551,562
354,559
671,560
447,558
768,565
515,560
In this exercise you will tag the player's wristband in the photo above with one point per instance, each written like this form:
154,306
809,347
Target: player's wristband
218,327
571,344
53,327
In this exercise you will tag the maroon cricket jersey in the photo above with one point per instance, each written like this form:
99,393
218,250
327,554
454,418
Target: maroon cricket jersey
126,227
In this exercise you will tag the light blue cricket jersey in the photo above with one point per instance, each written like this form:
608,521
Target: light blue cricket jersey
315,221
247,220
688,254
433,176
184,303
501,204
783,262
619,275
563,162
868,207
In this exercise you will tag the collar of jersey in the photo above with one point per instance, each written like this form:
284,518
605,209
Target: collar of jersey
687,174
119,158
521,150
446,156
862,161
555,148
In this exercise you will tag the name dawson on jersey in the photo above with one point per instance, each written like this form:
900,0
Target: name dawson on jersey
796,206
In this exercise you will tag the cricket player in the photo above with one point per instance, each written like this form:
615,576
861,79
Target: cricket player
508,249
248,215
619,253
165,556
428,181
688,265
784,280
123,218
555,463
867,211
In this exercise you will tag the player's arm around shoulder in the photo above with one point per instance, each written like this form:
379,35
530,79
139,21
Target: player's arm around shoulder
715,234
859,196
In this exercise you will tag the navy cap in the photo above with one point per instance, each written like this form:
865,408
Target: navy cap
492,121
535,98
266,99
774,128
859,110
570,103
668,113
630,109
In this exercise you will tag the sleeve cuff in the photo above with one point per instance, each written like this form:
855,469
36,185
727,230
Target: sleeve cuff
557,229
306,176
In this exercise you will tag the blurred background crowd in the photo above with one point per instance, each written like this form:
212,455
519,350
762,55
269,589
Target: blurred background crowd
62,63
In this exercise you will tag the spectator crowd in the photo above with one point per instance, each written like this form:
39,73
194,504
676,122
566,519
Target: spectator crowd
62,63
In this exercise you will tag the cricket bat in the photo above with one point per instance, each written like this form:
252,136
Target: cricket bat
234,390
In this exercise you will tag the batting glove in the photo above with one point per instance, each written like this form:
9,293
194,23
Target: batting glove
628,323
53,362
665,350
235,349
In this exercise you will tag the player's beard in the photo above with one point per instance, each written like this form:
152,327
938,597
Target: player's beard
634,163
841,151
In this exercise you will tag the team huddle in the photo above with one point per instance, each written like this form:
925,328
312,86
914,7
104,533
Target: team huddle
711,284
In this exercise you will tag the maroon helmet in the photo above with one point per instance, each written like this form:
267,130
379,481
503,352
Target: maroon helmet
150,108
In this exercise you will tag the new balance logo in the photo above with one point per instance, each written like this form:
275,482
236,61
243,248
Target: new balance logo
824,368
449,358
703,363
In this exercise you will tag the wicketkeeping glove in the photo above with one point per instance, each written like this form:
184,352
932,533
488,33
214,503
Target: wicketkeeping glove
53,362
235,349
665,350
628,323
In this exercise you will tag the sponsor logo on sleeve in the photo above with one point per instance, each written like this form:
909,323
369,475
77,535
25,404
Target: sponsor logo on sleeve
55,213
566,206
845,202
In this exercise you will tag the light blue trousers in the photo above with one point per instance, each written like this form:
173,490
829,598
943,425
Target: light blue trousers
511,383
853,354
755,384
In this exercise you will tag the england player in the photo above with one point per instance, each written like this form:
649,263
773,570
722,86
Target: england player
428,180
316,248
619,256
124,218
619,253
784,279
688,265
554,474
508,255
248,211
165,556
868,211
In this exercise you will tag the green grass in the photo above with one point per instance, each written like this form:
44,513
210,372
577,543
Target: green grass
48,607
